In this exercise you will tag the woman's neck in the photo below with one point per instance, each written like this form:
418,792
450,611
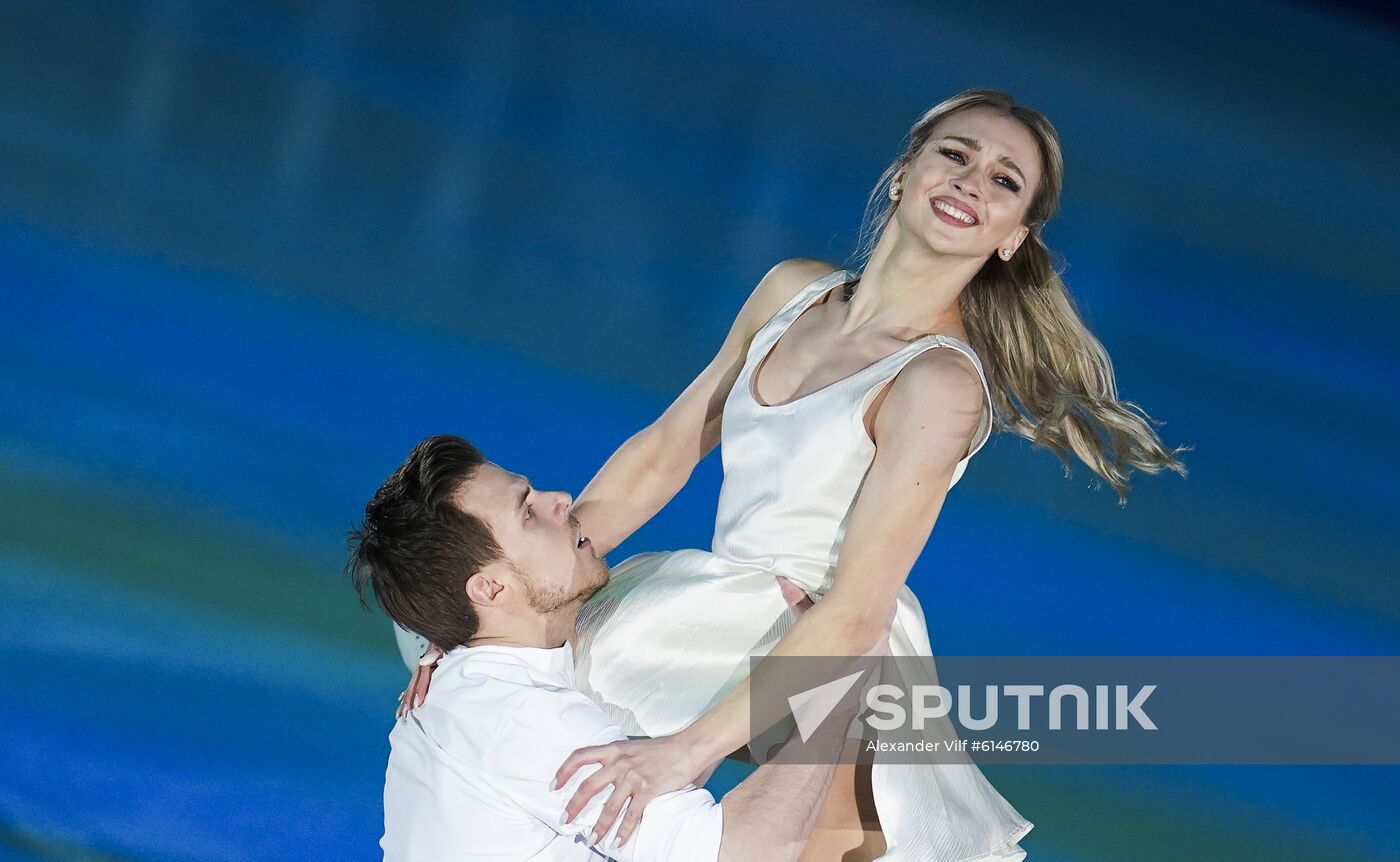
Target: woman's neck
909,292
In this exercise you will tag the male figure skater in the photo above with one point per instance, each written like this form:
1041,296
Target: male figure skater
476,560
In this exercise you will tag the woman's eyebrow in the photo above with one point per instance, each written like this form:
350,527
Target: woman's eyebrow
976,145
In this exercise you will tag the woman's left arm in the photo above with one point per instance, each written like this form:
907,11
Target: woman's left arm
922,431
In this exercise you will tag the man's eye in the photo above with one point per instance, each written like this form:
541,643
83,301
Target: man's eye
529,512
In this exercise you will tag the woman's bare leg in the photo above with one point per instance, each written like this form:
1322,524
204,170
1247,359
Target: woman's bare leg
848,829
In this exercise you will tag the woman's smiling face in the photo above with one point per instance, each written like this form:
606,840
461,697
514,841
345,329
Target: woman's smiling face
968,190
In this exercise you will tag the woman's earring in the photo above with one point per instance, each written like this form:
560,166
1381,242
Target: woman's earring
1006,254
894,192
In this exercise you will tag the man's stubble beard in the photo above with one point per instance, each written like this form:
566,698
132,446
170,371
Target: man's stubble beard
551,603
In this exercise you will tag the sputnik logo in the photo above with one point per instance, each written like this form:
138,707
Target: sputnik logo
812,706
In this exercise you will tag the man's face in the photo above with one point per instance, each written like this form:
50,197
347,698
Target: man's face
538,535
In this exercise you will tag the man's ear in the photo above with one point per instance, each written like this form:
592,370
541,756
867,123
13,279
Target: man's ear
487,587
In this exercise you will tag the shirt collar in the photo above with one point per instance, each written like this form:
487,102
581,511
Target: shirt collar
556,663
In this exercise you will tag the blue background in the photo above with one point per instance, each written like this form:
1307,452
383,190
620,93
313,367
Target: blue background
250,252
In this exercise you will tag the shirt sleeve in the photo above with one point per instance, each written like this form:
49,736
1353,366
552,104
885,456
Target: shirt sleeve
537,736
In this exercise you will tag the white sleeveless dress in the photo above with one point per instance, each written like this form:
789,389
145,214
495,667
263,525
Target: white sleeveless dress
672,632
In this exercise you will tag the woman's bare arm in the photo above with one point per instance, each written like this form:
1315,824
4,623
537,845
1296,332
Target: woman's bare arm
922,430
655,463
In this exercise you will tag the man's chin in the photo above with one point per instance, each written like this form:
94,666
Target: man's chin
596,583
596,587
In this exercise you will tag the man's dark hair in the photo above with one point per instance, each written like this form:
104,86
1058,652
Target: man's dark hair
417,548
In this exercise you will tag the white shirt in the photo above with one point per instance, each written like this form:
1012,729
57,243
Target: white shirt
470,770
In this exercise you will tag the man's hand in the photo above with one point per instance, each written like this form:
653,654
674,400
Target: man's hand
417,690
797,598
642,769
638,769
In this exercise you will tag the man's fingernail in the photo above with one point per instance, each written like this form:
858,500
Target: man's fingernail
594,838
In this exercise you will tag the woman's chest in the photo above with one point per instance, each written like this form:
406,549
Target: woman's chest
811,356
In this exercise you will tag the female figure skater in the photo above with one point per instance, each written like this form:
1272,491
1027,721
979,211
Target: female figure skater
843,427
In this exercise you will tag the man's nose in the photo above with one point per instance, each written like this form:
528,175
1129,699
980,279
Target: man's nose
561,505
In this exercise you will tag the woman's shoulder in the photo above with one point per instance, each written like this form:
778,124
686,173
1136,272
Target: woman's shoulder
938,376
777,288
789,277
940,390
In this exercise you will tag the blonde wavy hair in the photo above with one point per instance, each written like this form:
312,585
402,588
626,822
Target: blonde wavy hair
1052,381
